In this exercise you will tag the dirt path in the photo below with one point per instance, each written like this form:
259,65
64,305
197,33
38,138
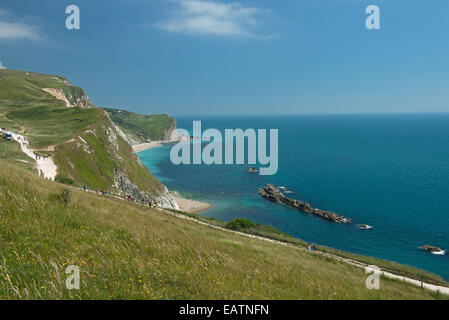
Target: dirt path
45,165
368,268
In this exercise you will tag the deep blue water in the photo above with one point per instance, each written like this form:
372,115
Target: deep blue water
388,171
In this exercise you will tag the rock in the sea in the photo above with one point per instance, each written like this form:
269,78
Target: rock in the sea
271,193
432,249
364,226
252,170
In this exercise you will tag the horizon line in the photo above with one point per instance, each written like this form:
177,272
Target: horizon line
316,114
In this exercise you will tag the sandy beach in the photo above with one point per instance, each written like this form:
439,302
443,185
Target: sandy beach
147,145
191,206
186,205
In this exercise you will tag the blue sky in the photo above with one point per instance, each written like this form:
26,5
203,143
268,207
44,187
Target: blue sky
238,57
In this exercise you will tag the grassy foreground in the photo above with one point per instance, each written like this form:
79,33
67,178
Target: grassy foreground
127,251
270,232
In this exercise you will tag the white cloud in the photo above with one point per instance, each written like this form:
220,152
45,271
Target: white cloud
13,28
2,66
4,12
209,17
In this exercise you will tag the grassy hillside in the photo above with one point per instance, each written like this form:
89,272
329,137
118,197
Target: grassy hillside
128,251
142,128
11,152
26,108
92,157
84,143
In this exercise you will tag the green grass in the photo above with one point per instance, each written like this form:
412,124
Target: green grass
127,251
45,120
270,232
51,124
94,164
142,127
11,152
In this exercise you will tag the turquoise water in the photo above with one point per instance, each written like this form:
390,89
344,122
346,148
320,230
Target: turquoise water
387,171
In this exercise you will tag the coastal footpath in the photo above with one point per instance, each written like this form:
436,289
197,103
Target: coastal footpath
369,269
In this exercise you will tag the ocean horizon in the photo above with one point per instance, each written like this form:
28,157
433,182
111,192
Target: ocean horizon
389,171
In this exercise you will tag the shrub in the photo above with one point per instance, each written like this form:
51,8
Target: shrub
62,179
240,224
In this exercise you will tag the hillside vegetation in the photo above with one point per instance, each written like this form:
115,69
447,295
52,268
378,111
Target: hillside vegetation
60,121
142,128
26,108
127,251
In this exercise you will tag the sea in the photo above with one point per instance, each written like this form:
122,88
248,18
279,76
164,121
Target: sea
390,172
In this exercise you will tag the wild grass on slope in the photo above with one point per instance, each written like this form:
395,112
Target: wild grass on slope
128,251
270,232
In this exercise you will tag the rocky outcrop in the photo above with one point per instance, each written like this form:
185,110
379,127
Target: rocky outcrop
166,200
125,187
433,249
364,226
82,102
271,193
170,133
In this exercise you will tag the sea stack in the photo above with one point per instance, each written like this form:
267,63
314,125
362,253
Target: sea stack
252,170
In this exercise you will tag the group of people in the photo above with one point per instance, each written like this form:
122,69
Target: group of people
128,198
311,246
151,203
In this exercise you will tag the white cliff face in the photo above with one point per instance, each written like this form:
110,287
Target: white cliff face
119,131
171,133
167,201
59,94
122,183
79,102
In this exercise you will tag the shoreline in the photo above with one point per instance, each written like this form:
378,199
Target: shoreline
147,145
186,205
191,206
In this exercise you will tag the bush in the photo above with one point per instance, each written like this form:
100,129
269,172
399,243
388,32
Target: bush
65,180
240,224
